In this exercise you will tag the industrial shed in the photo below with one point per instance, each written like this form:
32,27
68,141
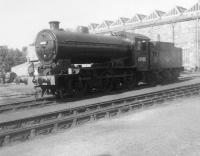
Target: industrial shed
21,70
179,25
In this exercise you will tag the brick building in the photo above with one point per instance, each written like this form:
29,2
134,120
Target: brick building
179,25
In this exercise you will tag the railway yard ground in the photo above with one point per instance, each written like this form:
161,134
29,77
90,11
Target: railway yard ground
171,128
10,93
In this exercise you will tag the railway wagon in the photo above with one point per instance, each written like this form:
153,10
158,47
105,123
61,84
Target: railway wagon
78,63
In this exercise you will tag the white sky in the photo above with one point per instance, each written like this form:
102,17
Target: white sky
21,20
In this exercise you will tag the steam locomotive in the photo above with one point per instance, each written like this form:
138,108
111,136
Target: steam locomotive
74,63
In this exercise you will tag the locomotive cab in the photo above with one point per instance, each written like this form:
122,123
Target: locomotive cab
142,53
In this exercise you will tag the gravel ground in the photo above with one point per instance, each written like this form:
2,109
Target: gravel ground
172,129
10,93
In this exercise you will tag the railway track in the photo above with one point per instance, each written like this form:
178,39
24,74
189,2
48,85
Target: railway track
27,104
27,128
42,102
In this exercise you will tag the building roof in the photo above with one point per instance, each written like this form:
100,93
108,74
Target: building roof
194,8
92,26
119,21
105,24
177,10
156,14
136,18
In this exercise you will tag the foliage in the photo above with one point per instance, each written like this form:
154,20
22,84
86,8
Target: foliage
11,57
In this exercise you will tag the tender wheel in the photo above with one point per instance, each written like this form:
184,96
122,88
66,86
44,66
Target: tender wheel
166,76
175,74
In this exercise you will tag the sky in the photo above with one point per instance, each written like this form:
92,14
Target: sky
21,20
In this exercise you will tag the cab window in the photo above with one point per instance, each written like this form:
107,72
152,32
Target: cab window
139,45
142,45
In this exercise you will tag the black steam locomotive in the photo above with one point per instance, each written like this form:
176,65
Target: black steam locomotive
79,63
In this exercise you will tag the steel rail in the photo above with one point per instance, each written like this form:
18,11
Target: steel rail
27,104
41,102
27,128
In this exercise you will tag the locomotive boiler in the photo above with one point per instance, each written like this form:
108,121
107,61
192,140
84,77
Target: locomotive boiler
54,45
80,63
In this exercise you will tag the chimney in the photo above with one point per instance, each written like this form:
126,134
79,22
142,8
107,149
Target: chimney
54,25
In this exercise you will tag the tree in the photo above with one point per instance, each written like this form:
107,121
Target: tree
11,57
